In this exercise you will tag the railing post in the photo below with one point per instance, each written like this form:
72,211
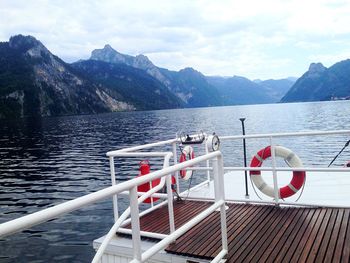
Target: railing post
170,203
150,187
135,224
115,197
177,172
221,189
274,171
216,176
218,167
207,163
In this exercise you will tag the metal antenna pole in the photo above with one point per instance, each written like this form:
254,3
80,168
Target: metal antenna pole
245,159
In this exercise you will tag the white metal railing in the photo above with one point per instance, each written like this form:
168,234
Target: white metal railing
219,203
274,168
131,152
143,197
28,221
284,134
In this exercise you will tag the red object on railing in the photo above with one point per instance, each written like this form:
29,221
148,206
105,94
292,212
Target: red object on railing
145,169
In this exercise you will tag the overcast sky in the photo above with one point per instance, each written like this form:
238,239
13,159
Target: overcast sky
256,39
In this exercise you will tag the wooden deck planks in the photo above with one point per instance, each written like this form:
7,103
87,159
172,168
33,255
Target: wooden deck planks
277,243
259,233
341,238
332,228
335,236
266,239
346,247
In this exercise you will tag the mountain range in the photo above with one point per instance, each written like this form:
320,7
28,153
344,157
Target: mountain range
320,83
34,82
238,90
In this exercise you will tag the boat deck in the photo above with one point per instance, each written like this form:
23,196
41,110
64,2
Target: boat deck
264,233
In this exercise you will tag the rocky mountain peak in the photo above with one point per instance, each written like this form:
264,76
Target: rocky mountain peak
143,62
108,47
28,45
110,55
316,68
20,41
190,70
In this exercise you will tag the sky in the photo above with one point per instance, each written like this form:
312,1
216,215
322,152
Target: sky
260,39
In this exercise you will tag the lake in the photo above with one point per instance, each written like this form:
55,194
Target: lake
47,161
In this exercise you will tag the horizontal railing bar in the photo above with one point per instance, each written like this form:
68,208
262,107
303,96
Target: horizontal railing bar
155,195
201,168
141,147
285,203
300,169
72,205
141,154
180,231
249,201
219,256
164,196
146,146
287,134
143,233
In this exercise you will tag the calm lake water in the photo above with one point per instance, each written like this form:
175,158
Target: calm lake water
51,160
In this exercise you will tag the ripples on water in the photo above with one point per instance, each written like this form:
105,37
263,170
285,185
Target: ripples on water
51,160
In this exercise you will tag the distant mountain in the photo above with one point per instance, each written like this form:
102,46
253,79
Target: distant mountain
321,83
190,86
135,85
196,90
239,90
277,88
110,55
34,82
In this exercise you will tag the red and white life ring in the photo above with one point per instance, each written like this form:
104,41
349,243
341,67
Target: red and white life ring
291,159
187,154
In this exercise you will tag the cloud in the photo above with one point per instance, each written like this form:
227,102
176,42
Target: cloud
256,39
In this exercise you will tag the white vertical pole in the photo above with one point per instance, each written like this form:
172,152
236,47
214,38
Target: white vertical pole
274,172
115,197
150,187
177,172
208,163
221,189
135,224
170,203
216,182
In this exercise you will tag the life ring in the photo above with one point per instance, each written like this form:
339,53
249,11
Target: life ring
291,159
187,154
